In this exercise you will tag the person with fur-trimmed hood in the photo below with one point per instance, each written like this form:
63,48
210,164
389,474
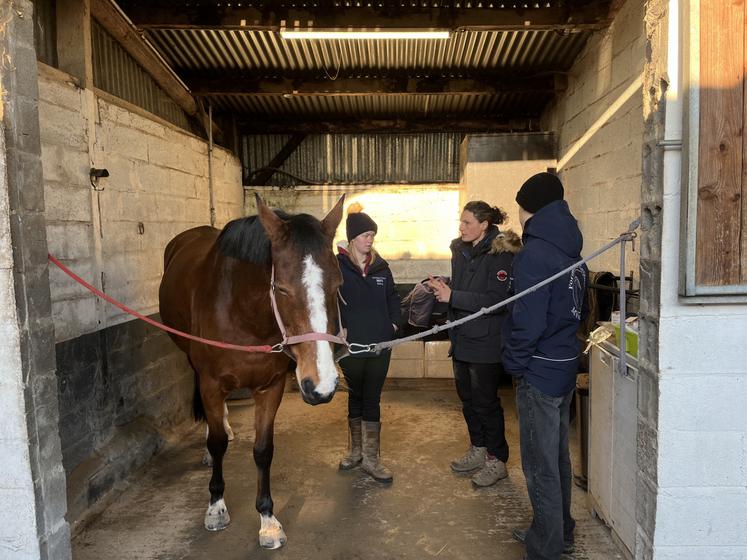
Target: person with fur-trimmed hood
480,270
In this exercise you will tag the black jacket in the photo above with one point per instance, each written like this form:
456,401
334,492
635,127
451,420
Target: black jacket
479,278
372,303
540,336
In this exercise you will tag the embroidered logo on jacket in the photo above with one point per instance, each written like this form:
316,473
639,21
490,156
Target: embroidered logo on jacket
502,275
380,280
577,287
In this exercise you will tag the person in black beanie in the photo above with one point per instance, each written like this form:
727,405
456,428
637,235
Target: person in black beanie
541,350
370,313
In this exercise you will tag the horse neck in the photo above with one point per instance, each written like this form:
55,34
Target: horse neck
246,284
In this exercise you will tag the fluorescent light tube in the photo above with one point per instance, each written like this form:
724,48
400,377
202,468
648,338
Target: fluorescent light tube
346,35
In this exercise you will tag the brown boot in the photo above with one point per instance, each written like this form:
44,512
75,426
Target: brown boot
371,447
354,455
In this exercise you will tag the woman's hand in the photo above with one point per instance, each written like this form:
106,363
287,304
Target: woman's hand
440,289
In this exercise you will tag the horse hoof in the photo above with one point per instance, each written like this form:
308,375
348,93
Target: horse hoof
207,459
216,516
271,534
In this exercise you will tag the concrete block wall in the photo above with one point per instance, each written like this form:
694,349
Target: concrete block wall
32,479
416,222
701,465
158,185
599,126
18,530
497,182
121,383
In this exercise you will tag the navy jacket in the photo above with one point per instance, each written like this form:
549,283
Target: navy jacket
540,335
372,303
479,278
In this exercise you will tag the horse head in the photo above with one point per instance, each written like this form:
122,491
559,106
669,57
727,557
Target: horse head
306,282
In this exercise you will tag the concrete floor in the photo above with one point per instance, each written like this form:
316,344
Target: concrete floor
427,511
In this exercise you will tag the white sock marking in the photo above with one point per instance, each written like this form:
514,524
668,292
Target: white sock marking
312,279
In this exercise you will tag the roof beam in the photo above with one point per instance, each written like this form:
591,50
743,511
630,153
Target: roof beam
357,126
372,86
118,27
110,18
336,14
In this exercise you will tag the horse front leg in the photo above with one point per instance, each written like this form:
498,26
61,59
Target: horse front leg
216,516
271,534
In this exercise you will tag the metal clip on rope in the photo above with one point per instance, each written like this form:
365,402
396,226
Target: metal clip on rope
363,348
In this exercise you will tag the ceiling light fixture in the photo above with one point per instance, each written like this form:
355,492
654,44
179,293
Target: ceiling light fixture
372,34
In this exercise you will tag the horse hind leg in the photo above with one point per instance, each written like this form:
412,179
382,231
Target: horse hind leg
226,425
207,459
216,516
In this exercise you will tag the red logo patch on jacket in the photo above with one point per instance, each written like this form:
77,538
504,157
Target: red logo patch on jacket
502,275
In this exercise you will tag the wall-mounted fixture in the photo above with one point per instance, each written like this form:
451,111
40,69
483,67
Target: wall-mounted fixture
94,175
375,34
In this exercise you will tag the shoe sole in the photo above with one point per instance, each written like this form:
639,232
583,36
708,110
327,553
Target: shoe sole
350,467
476,485
567,548
458,470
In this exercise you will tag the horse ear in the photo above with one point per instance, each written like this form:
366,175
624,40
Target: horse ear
272,223
333,218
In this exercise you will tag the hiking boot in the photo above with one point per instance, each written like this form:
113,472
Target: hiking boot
354,456
521,536
493,471
371,449
473,459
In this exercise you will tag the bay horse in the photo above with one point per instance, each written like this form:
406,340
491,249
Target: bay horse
217,285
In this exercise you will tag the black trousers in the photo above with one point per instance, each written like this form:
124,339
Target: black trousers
365,377
477,387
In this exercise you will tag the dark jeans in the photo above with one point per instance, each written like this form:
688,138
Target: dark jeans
365,377
477,387
545,459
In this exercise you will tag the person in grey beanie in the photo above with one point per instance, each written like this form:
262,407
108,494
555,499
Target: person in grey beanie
540,349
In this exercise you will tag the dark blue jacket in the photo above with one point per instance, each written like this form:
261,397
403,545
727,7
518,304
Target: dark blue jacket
372,303
480,278
540,334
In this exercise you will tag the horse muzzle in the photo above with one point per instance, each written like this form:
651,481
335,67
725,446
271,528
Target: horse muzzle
311,396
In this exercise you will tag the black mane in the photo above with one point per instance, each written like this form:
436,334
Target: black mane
245,239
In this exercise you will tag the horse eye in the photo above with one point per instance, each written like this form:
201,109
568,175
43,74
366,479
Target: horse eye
282,291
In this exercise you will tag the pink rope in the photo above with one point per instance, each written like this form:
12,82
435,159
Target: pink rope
225,345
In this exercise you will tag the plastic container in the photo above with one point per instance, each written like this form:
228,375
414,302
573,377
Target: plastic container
631,339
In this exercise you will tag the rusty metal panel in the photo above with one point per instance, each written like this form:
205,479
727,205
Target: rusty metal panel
116,72
356,158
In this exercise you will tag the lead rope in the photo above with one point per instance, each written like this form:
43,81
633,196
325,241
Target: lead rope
624,237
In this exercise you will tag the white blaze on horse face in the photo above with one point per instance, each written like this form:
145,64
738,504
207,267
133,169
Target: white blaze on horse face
313,281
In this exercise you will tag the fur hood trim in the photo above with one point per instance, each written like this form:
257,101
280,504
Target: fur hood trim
506,242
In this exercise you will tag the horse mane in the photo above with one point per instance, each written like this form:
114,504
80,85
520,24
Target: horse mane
245,239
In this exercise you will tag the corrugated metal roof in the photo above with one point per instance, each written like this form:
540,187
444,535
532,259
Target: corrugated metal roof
466,52
344,159
383,106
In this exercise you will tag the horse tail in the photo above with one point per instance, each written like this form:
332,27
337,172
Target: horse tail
198,410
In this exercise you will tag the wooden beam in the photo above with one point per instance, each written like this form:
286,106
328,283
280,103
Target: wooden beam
263,175
351,126
336,14
252,85
118,27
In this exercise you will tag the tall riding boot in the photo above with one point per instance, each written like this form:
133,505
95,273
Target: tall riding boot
371,447
354,455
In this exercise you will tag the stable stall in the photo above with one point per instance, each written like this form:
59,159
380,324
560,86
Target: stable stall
128,122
